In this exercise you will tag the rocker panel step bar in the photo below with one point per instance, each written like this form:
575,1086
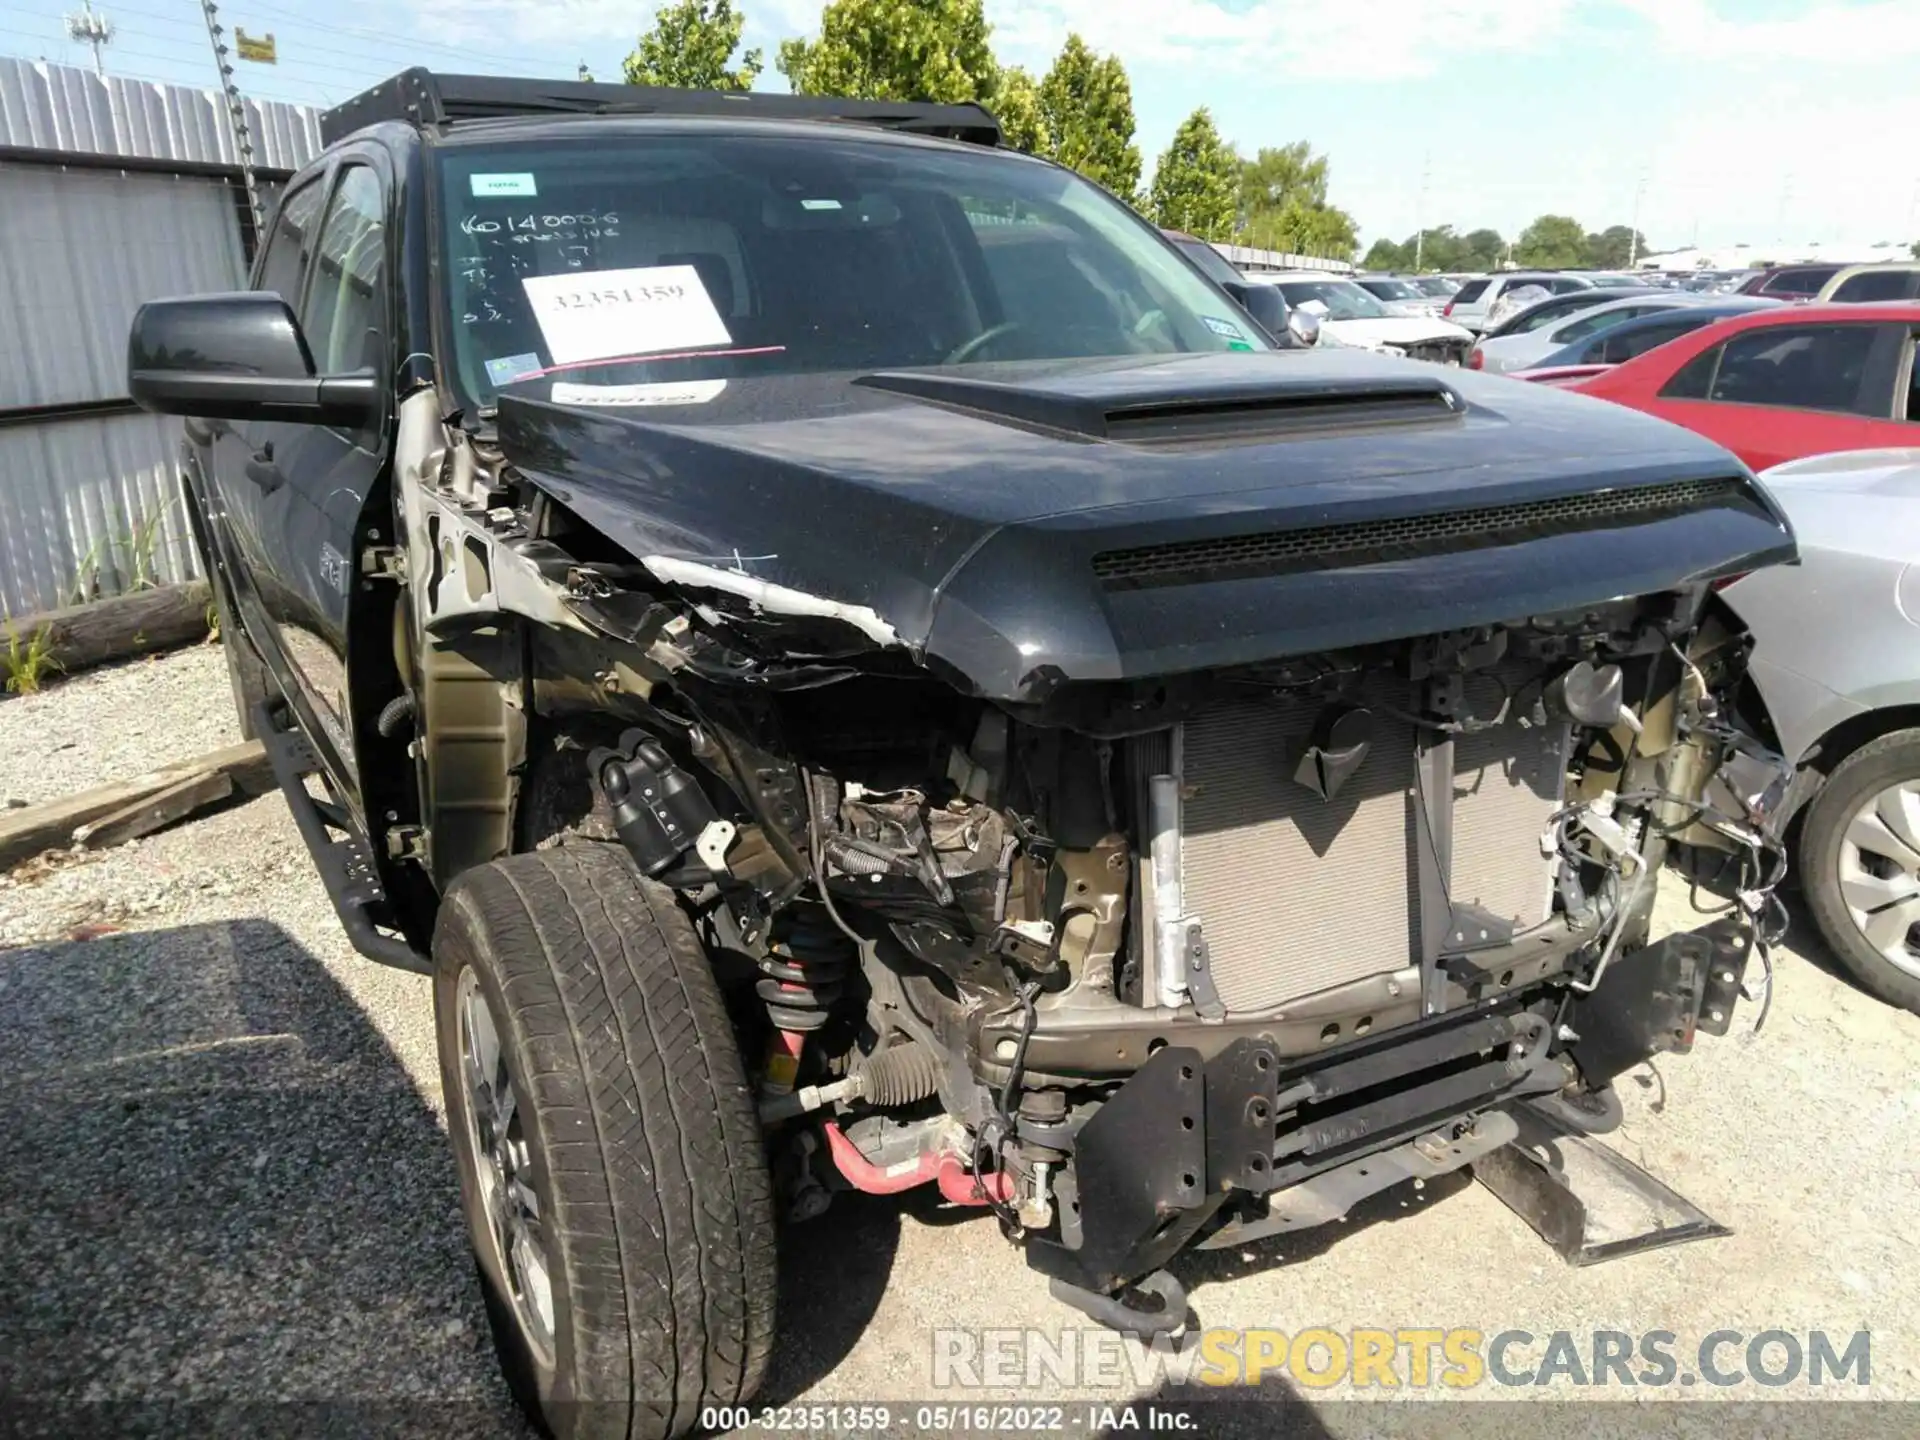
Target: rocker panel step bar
344,861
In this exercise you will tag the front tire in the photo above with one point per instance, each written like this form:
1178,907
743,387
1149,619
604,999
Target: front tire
611,1164
1860,852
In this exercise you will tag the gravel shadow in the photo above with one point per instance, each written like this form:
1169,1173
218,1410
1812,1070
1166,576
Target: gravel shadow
220,1188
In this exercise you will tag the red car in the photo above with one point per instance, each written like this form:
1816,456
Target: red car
1778,385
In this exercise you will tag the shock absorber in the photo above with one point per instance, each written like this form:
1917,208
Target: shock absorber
806,969
804,973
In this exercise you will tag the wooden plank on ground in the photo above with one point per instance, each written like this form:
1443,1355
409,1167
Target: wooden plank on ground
175,803
50,824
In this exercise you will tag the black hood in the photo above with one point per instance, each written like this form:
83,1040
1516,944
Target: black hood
1025,524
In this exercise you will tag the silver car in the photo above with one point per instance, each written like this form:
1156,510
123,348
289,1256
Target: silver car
1522,348
1836,668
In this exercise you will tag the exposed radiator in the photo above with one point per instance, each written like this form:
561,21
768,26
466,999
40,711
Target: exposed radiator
1297,894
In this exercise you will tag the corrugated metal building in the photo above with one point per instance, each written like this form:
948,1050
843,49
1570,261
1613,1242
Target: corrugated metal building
112,192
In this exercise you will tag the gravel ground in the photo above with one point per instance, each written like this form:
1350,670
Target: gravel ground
114,723
226,1176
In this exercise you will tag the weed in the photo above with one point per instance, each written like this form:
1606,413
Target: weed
27,664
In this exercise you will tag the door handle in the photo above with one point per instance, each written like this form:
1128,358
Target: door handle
262,471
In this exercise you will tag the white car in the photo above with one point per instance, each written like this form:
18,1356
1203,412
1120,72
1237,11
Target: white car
1477,297
1523,349
1401,297
1350,316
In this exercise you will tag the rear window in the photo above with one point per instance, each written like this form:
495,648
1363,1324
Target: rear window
1468,293
1805,280
1874,285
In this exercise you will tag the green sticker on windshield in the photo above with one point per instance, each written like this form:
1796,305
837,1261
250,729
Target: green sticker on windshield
1238,345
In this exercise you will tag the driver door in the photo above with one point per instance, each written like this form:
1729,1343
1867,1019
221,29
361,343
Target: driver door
303,487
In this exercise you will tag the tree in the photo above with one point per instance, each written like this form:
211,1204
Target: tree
689,46
1195,182
1283,204
1915,248
1383,254
1086,102
1552,242
895,50
1479,250
1615,247
1016,105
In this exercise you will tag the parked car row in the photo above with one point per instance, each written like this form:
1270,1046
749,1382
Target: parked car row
1809,374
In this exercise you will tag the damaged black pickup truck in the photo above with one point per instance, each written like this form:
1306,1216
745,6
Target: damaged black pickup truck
853,664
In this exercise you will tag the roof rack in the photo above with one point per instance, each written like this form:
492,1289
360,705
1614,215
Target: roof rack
421,97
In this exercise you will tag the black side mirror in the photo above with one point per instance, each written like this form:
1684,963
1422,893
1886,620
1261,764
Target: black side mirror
1264,303
239,356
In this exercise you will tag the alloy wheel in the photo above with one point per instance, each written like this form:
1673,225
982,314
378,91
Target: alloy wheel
497,1136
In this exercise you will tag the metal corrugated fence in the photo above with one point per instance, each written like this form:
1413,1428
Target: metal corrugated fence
112,192
80,251
60,109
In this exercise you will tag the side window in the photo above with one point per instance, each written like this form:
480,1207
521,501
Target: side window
1912,411
1873,285
1694,380
1540,316
1563,284
1593,324
345,313
281,265
1807,367
1616,348
1470,292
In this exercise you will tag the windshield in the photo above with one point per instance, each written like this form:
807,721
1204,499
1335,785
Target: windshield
684,256
1438,286
1335,299
1392,289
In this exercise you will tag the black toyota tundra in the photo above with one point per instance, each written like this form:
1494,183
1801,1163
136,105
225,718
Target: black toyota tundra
854,664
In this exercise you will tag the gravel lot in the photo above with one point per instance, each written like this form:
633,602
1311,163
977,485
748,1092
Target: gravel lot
226,1177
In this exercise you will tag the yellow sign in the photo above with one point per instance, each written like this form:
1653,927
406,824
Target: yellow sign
255,47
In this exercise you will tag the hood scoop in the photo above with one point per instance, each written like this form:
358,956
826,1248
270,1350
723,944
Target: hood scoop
1132,410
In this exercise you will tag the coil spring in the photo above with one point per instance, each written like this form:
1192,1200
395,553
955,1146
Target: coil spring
806,971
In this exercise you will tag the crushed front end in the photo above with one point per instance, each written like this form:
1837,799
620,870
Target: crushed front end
1180,872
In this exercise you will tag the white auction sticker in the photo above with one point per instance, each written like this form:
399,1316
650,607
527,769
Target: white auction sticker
520,183
597,314
664,392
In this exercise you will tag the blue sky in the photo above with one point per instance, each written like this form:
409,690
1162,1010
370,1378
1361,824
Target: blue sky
1765,121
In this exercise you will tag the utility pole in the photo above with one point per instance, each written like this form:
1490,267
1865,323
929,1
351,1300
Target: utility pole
236,115
87,28
1633,244
1420,215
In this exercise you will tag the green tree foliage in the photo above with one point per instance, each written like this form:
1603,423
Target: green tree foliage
1439,249
1016,104
1283,204
1195,183
895,50
1552,242
1383,254
1615,247
1086,102
690,45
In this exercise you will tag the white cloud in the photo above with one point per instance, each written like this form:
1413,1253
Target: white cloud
1359,39
1825,34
